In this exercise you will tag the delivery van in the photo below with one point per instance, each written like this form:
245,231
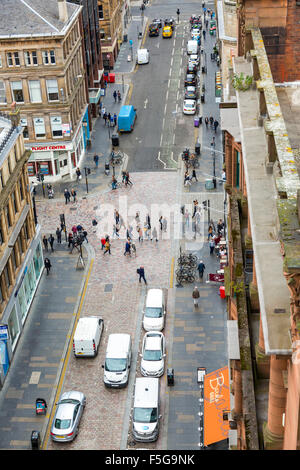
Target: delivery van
87,336
126,118
192,47
145,416
142,56
154,312
117,360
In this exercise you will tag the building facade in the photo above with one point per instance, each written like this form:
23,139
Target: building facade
113,16
44,74
21,254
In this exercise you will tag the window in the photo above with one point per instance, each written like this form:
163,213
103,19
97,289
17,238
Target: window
56,126
100,10
21,190
23,123
39,127
9,59
13,59
2,92
30,58
52,90
48,57
16,58
35,91
7,214
102,34
17,91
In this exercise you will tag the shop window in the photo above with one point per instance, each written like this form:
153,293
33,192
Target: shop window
38,261
39,127
22,303
52,90
13,325
35,91
17,91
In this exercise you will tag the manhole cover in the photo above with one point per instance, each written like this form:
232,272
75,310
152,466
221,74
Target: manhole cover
108,287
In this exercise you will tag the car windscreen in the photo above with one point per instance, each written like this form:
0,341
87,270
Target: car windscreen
145,415
115,365
62,423
153,312
152,355
189,105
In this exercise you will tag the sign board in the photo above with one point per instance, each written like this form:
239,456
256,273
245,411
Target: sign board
66,129
3,332
216,400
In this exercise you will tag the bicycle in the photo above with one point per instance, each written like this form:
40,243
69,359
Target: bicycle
118,185
116,157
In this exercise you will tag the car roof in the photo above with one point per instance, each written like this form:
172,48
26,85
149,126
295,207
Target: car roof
153,342
65,411
189,101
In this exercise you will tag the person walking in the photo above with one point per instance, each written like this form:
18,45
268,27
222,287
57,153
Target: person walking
48,265
119,96
127,179
78,174
164,224
96,160
211,246
105,117
133,247
194,175
137,218
115,96
216,124
160,220
204,32
84,233
108,119
196,295
206,120
73,194
220,227
140,232
124,176
107,246
70,239
67,195
127,248
51,242
211,120
115,119
201,268
45,242
154,234
58,235
141,273
187,218
178,13
103,241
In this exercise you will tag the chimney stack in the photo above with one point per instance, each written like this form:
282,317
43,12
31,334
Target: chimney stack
62,10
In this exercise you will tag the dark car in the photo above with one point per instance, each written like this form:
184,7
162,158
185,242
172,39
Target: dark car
153,29
191,68
190,93
157,21
170,22
190,80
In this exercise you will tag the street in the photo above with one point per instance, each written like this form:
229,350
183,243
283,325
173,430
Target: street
108,285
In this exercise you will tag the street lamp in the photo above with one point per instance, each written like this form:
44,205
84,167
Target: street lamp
87,171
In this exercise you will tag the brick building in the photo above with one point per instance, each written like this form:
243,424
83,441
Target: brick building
21,254
44,74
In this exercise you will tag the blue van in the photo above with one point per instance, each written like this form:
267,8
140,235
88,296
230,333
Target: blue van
126,118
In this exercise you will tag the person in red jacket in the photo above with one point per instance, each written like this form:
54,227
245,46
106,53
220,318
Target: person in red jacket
103,241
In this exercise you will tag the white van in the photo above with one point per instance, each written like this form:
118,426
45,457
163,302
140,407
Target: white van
192,47
154,313
143,56
117,360
145,416
87,336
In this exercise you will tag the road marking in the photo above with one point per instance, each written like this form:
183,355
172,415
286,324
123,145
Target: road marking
35,378
145,103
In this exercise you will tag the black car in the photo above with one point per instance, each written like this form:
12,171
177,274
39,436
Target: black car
157,21
190,94
190,80
170,22
153,29
191,68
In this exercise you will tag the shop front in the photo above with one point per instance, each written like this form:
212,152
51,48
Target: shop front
18,306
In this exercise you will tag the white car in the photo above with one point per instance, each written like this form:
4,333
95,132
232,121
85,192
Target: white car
153,354
195,34
194,60
189,107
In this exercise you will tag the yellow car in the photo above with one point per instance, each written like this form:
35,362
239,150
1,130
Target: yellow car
167,32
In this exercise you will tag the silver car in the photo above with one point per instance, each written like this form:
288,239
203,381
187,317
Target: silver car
153,354
67,417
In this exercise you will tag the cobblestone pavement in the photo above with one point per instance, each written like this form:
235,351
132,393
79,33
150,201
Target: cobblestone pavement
114,293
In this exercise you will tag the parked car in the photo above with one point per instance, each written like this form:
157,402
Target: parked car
153,29
167,32
190,93
170,22
194,59
154,312
195,34
189,107
191,68
157,21
153,354
190,79
67,416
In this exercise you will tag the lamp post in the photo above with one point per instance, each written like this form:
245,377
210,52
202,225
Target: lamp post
87,171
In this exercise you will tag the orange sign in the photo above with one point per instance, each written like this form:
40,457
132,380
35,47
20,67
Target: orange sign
216,400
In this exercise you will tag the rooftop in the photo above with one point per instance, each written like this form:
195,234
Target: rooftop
33,18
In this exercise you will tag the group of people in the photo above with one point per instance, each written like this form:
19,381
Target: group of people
213,122
110,119
214,235
68,194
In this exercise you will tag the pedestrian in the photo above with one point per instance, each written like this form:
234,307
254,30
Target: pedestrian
211,246
127,248
206,23
187,218
154,234
84,233
124,176
201,268
96,160
147,231
48,265
116,230
103,241
78,174
164,224
196,295
70,239
127,179
129,233
148,221
119,96
103,111
206,120
137,218
204,32
211,120
105,117
160,222
58,235
108,119
194,175
51,241
107,246
133,247
115,119
67,195
141,273
187,179
140,233
112,122
45,241
74,229
195,202
73,194
220,227
116,216
115,96
216,125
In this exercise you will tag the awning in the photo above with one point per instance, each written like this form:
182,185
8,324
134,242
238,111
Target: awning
94,95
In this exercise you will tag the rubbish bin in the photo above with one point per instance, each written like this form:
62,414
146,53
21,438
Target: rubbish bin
197,148
196,121
112,77
170,376
202,97
222,292
115,140
125,38
35,440
209,184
